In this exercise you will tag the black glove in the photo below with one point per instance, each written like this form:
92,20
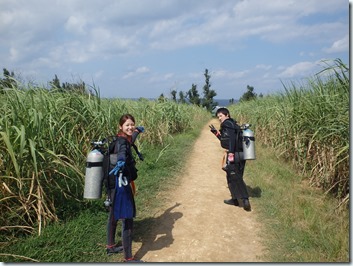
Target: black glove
140,129
213,129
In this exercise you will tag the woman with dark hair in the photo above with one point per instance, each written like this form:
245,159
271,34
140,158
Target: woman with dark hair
121,187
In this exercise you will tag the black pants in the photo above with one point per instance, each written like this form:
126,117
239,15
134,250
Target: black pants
236,184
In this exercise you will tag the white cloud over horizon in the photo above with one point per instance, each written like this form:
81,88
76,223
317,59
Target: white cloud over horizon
150,46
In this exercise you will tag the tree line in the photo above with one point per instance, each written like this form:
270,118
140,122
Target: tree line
11,81
192,96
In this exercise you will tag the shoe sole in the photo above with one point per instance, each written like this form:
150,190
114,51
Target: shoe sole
234,204
247,207
118,250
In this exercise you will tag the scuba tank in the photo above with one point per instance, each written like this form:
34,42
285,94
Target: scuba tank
248,142
97,166
94,175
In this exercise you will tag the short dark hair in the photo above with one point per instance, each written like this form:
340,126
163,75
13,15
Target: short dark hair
223,110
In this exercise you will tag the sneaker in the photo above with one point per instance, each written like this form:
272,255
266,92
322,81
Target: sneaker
232,202
114,250
246,205
133,260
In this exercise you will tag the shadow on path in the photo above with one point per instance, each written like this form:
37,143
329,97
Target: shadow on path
254,192
155,233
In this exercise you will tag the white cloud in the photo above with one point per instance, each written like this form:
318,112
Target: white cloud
136,72
98,74
225,74
301,69
161,78
13,54
73,35
264,67
338,46
116,26
76,24
168,76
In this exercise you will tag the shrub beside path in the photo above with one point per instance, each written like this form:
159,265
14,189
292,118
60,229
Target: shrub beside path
195,225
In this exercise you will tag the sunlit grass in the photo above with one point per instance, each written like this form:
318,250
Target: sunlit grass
309,125
83,237
299,222
45,137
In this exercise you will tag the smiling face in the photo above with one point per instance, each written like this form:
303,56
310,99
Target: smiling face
128,127
222,117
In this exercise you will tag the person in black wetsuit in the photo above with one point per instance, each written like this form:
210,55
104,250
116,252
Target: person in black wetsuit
121,187
235,165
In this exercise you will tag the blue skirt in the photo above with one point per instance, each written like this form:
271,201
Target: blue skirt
124,203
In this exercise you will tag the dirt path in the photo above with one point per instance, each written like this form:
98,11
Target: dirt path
195,225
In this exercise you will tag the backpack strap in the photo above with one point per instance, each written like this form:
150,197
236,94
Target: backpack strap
110,150
137,151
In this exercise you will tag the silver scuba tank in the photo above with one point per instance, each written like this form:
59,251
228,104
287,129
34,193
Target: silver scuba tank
94,175
248,143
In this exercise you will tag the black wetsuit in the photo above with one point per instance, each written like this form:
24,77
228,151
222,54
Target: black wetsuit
235,171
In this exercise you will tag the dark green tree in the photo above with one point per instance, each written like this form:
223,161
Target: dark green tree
174,93
249,95
79,87
182,97
193,95
8,81
161,98
55,84
208,94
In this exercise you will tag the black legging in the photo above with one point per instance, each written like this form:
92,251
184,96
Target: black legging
127,237
127,228
236,184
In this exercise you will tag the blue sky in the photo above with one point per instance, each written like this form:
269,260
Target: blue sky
143,48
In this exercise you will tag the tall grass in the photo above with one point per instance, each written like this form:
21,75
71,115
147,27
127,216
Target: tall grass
308,124
44,139
299,223
82,238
